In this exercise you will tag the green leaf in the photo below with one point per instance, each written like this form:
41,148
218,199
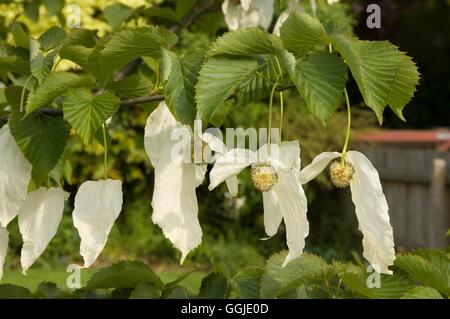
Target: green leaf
124,274
133,86
8,291
219,79
391,286
173,285
31,9
56,84
246,43
128,44
20,37
145,291
278,280
214,286
422,292
54,6
48,290
384,74
117,13
430,268
41,63
320,78
84,37
87,112
53,37
42,139
180,87
180,292
247,283
302,33
15,64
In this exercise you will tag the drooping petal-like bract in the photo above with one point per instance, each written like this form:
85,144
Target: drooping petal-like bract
97,206
15,174
39,218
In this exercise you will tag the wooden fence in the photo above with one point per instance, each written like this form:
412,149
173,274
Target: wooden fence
416,181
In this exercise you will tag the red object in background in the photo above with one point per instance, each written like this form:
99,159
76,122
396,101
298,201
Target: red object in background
439,138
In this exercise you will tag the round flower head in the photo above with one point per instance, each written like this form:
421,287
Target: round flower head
283,196
370,203
341,173
263,177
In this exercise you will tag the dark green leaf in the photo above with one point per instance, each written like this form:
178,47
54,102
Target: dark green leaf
302,33
54,6
133,86
145,291
247,283
20,37
53,37
117,13
247,43
320,78
14,292
180,87
56,84
124,274
422,292
214,286
41,138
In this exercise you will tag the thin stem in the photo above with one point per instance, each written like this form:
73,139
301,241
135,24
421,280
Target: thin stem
57,63
269,134
280,72
157,74
105,154
22,97
349,124
281,116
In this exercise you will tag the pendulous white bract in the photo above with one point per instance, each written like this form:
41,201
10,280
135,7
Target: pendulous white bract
39,218
370,203
97,206
4,236
286,199
15,175
248,13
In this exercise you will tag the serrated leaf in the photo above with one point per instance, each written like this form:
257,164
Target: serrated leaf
117,13
54,6
41,63
214,286
385,76
246,43
218,80
180,87
53,37
145,291
430,268
31,9
391,286
128,44
133,86
278,280
87,112
247,283
8,291
56,84
302,33
422,292
20,37
83,37
15,64
41,138
124,274
320,78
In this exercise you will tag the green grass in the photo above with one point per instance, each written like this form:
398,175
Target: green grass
59,276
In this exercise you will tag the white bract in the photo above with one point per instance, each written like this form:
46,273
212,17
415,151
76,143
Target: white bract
3,248
293,6
15,175
174,202
97,206
248,13
370,203
39,217
286,200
